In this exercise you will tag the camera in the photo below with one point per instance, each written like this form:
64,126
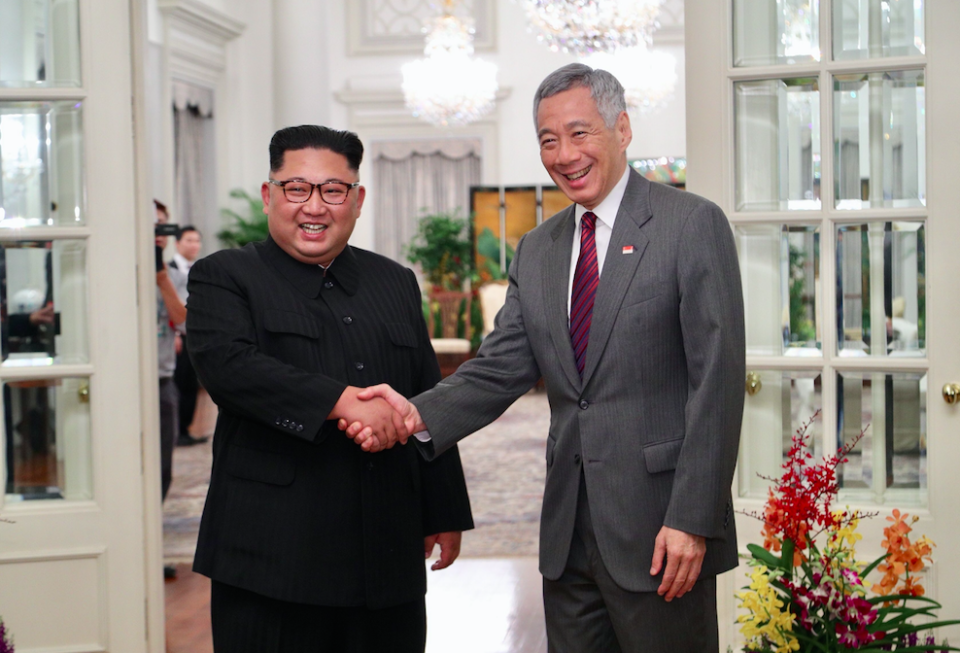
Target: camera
163,229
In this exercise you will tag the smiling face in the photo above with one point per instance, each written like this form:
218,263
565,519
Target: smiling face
583,156
312,232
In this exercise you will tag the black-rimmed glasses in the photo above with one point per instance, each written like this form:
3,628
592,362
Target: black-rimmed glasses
331,192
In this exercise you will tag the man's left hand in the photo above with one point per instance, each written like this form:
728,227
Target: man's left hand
684,554
449,548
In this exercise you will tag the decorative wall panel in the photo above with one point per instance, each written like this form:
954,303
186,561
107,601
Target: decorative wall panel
396,26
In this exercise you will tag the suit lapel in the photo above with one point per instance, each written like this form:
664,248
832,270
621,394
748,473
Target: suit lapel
555,288
619,266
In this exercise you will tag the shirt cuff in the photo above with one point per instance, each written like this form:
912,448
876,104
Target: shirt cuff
422,436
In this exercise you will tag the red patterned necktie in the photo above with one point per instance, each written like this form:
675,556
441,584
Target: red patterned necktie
585,280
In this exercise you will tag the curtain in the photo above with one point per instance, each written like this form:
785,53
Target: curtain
194,165
416,178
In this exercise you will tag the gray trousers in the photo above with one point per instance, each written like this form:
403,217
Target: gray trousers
587,612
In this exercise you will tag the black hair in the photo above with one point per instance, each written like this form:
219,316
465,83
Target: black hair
184,229
160,206
345,143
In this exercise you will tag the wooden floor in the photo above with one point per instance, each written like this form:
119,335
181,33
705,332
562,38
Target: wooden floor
479,605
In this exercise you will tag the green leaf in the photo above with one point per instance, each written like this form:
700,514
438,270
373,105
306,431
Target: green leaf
873,565
770,560
786,557
903,597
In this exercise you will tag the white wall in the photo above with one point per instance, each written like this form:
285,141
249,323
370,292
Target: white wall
260,94
523,63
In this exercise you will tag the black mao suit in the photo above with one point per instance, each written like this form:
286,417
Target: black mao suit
296,511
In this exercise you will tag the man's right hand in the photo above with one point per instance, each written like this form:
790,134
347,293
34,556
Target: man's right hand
383,426
363,433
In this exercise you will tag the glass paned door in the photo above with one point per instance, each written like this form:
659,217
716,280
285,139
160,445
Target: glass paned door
72,502
837,168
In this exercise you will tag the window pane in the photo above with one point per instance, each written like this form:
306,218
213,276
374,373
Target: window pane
785,402
778,144
891,459
881,289
43,291
39,43
769,33
41,164
781,287
47,439
868,28
880,139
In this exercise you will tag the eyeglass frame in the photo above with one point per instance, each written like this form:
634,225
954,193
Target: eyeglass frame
283,186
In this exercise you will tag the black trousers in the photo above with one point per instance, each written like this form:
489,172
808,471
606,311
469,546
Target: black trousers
186,379
168,432
247,622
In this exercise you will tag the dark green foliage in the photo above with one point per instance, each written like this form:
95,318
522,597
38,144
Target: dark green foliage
488,246
250,228
443,250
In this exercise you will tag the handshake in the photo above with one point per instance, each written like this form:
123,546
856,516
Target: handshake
377,417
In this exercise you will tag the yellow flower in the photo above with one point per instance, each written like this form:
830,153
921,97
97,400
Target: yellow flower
766,623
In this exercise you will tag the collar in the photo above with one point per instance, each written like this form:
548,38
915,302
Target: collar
606,211
182,262
308,278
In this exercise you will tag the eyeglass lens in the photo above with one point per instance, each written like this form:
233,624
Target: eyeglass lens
330,192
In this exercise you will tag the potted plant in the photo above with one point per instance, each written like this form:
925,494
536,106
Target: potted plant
243,229
443,250
809,593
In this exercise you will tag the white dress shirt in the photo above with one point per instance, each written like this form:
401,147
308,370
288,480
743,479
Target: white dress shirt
606,213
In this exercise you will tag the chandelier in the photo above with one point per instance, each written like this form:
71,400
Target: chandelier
450,87
648,76
582,27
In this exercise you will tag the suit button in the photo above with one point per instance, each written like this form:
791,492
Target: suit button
286,422
279,421
359,366
576,458
584,404
348,320
328,284
299,428
369,467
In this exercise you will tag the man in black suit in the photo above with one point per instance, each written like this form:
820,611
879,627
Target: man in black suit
313,545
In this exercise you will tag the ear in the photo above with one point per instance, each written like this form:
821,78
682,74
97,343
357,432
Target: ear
624,130
361,194
265,195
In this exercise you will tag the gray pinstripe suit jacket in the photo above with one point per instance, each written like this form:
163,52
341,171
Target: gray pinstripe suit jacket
655,422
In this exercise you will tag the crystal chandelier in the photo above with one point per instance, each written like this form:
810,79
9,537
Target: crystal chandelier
582,27
450,87
648,76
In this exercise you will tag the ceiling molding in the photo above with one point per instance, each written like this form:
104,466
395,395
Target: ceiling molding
379,108
201,20
195,40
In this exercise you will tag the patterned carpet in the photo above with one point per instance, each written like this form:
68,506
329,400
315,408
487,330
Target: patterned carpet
504,465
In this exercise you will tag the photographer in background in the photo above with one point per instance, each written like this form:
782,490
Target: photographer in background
170,313
189,243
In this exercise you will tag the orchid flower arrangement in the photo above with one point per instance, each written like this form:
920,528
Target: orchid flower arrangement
807,589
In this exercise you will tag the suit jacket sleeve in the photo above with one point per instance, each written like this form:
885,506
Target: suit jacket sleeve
445,502
712,324
485,386
236,373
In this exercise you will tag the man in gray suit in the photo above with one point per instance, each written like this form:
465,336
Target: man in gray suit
628,303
